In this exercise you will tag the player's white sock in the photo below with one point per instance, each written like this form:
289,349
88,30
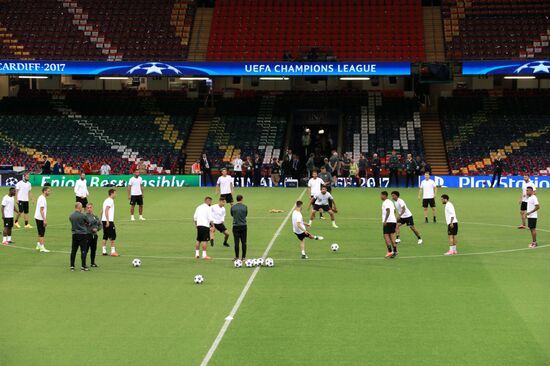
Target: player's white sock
104,250
9,238
132,217
303,252
113,249
204,253
453,248
140,216
197,253
4,239
309,223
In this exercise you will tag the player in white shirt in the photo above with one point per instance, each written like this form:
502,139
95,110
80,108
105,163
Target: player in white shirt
8,210
40,217
428,191
300,228
238,170
23,195
135,195
105,169
224,186
532,207
452,224
81,190
218,218
523,199
108,222
389,223
323,201
405,217
314,187
203,223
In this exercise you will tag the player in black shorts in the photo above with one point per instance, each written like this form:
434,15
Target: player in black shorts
218,218
7,215
228,197
532,207
389,223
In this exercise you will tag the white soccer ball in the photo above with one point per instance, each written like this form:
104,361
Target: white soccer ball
269,262
248,263
136,262
238,263
260,262
254,262
199,279
334,247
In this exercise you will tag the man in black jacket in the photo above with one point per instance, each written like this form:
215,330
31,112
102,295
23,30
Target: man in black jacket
206,169
375,166
239,212
79,227
498,166
94,225
410,169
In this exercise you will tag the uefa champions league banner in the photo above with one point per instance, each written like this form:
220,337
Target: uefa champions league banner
155,181
513,67
454,181
178,68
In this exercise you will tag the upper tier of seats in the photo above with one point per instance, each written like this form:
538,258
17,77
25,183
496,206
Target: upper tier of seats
350,29
496,29
477,127
96,29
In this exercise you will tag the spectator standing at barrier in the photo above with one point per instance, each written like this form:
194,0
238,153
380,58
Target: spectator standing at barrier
346,165
295,166
419,167
375,166
306,141
275,172
410,169
206,170
334,162
196,168
248,168
353,173
47,166
362,168
237,170
58,167
498,166
258,165
286,168
182,157
393,166
310,164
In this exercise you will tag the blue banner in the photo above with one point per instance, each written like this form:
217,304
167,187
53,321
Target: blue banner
510,67
178,68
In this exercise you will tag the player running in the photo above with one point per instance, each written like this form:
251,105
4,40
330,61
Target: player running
203,223
314,187
23,193
218,218
323,201
405,217
300,228
428,190
389,223
523,199
81,190
532,207
108,221
225,186
8,209
452,224
40,214
135,195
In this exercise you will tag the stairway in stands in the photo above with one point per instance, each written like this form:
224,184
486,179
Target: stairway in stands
434,145
198,136
198,46
434,44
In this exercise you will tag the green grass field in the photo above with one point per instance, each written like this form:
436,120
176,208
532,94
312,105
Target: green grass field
487,306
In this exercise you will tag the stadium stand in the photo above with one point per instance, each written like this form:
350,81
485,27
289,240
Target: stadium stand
477,127
94,29
349,29
496,29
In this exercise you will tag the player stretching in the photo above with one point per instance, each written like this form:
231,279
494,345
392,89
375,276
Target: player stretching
523,199
323,202
218,218
203,223
135,195
40,217
8,209
428,190
405,217
532,215
22,194
389,223
299,228
225,186
108,221
452,224
314,186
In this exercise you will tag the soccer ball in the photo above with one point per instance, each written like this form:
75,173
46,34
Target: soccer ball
248,263
238,263
334,247
269,262
260,262
199,279
136,263
254,262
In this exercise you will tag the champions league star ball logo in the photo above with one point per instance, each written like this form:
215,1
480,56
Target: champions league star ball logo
534,68
154,68
11,182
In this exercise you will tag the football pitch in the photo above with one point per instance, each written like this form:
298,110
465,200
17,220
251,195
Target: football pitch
487,306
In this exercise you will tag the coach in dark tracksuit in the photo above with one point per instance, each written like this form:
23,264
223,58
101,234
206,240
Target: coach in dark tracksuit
79,226
410,169
498,166
94,225
239,213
